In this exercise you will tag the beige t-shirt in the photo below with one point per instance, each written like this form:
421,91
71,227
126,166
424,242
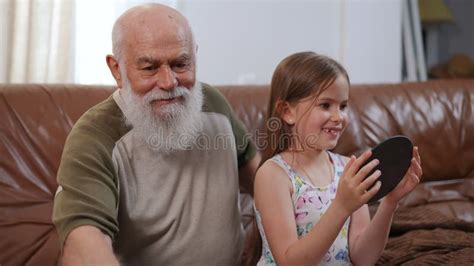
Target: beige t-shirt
179,208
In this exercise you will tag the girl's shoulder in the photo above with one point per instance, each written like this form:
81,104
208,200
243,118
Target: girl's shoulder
271,168
272,171
271,177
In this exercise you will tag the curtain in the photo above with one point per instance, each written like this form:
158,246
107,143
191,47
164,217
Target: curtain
414,59
36,44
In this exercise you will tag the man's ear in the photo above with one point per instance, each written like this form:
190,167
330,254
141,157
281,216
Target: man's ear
287,112
114,69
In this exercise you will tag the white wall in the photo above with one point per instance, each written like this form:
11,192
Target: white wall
373,46
241,42
93,41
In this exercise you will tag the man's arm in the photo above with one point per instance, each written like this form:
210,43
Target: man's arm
247,174
87,245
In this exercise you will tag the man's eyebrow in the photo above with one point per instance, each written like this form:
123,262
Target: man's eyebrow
183,57
147,60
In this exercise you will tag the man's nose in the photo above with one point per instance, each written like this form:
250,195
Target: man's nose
166,79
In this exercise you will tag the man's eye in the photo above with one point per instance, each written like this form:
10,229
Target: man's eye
149,68
180,66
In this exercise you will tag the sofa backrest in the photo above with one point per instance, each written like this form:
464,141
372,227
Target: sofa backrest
436,115
35,120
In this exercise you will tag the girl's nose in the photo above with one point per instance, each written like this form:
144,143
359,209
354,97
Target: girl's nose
336,115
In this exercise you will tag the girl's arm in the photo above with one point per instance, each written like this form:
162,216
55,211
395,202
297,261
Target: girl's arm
367,239
273,200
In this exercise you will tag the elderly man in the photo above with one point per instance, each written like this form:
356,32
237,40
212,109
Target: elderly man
145,176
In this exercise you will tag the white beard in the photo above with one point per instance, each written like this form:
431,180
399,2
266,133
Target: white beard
174,126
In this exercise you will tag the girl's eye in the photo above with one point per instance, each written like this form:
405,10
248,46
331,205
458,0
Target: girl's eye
343,107
325,106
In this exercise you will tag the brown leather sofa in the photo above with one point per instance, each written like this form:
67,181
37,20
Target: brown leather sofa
438,116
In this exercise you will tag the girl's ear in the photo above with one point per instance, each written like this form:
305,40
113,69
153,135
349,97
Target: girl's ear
287,112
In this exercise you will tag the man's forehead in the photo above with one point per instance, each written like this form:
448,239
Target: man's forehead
158,37
155,43
154,33
157,57
159,47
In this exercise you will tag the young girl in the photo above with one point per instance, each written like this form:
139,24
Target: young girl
311,203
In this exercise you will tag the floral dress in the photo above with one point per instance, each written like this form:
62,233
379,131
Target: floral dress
309,204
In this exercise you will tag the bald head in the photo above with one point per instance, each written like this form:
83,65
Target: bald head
160,22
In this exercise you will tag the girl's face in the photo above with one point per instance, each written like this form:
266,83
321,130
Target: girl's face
320,122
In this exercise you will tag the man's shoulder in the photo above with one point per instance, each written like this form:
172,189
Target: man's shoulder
214,101
104,122
105,113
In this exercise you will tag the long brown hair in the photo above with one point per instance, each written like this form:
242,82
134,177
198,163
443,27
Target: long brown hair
296,77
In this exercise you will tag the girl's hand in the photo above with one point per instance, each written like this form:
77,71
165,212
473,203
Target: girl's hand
353,189
409,181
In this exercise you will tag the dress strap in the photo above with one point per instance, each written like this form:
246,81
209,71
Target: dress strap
280,162
338,162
